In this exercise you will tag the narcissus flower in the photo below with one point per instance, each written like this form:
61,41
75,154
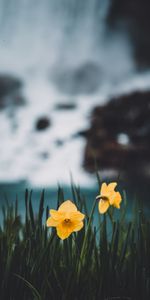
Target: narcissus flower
108,196
66,219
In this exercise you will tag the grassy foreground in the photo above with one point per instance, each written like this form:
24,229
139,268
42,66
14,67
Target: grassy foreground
108,261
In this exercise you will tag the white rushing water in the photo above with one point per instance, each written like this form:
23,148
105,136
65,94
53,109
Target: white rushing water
43,40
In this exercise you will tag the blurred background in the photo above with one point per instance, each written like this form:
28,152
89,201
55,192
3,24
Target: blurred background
74,95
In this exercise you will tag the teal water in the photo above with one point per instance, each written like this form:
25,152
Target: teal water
9,192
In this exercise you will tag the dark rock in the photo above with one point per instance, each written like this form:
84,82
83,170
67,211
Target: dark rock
10,91
8,84
82,80
44,155
126,117
81,133
135,16
65,106
59,143
42,123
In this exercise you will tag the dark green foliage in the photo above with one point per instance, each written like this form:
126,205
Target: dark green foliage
109,261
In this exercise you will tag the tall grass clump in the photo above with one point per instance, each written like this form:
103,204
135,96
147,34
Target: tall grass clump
108,261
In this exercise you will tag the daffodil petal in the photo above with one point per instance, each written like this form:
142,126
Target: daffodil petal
67,207
117,200
103,190
111,197
56,215
77,226
51,222
64,231
77,216
111,186
103,206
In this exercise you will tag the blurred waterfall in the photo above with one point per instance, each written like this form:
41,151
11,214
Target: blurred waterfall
60,51
32,31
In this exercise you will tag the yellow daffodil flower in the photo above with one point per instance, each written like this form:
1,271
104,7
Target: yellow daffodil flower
108,196
66,219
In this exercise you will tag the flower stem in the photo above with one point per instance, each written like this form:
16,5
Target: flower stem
85,238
